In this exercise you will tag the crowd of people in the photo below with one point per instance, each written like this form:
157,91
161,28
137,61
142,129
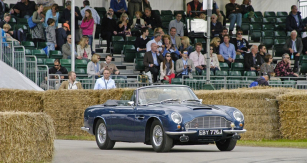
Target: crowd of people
169,54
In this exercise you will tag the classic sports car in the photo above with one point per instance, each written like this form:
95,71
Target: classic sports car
164,116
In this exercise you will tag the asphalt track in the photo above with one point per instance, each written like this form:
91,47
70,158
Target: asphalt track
75,151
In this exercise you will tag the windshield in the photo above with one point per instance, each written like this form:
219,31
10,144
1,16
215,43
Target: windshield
161,94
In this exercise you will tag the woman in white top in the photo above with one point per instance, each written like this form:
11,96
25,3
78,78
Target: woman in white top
93,67
138,22
83,49
167,68
214,62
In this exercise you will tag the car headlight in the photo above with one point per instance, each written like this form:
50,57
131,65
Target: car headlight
238,116
176,117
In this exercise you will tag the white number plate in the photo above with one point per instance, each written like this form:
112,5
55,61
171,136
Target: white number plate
210,132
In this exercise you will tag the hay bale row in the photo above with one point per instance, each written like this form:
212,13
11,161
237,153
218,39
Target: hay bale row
26,137
293,115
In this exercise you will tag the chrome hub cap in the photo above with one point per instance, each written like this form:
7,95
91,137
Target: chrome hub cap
102,133
157,135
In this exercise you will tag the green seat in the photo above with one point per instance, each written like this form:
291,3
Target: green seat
139,65
68,69
49,62
22,26
66,62
280,27
245,28
280,34
249,73
239,59
139,55
13,21
281,14
204,73
245,20
81,71
281,20
235,73
258,14
166,12
157,12
255,32
81,63
279,41
130,40
303,68
28,44
237,67
55,54
41,61
129,57
268,42
39,53
278,50
269,14
256,21
224,66
204,86
177,81
28,52
270,20
117,44
165,25
129,49
41,45
268,27
221,73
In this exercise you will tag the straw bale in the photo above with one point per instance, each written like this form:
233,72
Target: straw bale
20,100
26,137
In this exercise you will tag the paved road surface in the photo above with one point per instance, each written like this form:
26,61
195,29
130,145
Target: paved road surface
74,151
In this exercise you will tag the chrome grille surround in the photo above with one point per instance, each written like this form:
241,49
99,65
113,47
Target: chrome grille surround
208,122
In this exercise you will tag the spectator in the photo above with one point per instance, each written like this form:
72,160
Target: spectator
283,69
123,28
25,9
66,49
61,35
3,9
177,24
194,5
15,35
105,82
58,69
241,44
6,19
108,28
185,45
294,21
215,43
66,18
38,34
151,20
160,30
250,59
71,83
54,14
184,66
119,7
203,16
214,62
261,81
111,66
87,27
83,49
50,35
146,4
157,41
294,46
304,41
134,6
227,50
247,9
216,11
4,34
140,42
167,72
176,41
216,27
261,55
170,48
152,60
224,32
93,67
266,67
95,16
198,58
138,22
233,13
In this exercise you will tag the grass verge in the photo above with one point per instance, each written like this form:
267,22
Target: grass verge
281,143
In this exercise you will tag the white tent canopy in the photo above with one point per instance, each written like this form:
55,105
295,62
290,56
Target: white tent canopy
13,79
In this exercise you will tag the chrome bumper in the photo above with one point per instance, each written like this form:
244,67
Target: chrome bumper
234,131
180,132
85,128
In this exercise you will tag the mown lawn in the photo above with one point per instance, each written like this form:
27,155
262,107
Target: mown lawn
282,143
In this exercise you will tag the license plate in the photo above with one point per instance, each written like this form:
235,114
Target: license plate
210,132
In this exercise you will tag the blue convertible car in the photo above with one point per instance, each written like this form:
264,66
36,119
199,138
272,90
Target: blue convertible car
164,116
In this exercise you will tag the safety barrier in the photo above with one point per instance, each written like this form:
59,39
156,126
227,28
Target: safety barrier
31,67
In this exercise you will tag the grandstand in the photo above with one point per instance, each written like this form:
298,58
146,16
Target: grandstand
267,28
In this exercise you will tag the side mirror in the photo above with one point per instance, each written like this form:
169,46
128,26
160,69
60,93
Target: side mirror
201,101
131,103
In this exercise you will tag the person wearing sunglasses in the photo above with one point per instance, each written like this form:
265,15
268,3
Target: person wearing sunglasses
214,62
216,27
241,44
66,49
58,69
283,69
167,71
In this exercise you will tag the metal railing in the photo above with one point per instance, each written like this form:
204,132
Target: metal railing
31,67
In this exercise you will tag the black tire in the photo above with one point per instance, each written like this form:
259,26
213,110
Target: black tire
103,141
159,145
226,145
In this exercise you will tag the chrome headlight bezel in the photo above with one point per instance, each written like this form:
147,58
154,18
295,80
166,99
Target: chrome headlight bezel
238,116
176,117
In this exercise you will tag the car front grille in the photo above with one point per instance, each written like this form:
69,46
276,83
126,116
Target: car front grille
208,122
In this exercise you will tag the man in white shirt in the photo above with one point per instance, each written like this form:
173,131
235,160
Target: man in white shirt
157,38
105,82
198,58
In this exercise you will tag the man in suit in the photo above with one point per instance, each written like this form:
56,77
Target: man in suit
250,59
294,47
175,39
152,60
184,66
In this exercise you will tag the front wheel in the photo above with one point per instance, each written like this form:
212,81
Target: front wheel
226,145
159,140
102,137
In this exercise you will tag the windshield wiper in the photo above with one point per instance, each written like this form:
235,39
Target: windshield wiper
169,100
191,100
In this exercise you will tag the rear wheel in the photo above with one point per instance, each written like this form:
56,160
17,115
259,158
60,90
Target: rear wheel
159,140
102,137
226,145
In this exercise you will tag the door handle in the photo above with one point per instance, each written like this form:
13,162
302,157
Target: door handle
112,112
140,117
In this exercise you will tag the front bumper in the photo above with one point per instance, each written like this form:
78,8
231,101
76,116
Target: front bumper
234,131
85,129
180,132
